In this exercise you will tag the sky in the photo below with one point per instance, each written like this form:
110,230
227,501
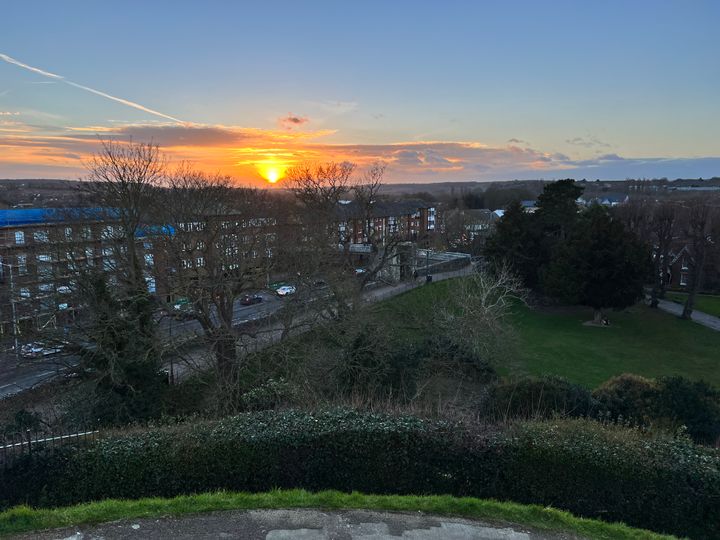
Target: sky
436,90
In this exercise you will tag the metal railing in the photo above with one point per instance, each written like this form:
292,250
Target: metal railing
14,446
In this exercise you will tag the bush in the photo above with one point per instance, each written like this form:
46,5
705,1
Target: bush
665,484
628,396
694,404
539,397
614,473
669,402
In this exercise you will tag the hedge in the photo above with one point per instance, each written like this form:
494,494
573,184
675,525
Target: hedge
663,484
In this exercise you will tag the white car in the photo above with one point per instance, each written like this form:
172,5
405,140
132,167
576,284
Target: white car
285,290
38,350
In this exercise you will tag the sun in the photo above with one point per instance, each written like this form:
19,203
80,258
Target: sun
271,171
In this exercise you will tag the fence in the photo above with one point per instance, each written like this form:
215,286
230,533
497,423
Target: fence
14,446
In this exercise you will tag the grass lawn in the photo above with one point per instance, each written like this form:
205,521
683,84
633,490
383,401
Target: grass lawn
640,340
706,303
24,519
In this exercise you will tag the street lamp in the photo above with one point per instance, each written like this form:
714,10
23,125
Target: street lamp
14,310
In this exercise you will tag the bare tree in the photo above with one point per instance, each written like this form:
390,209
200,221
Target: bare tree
699,225
335,212
663,227
477,310
218,241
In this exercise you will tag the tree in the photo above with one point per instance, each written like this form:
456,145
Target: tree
663,227
217,241
116,332
700,219
331,201
600,265
515,243
557,209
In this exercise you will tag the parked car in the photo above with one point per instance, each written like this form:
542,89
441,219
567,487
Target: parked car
39,349
285,290
250,299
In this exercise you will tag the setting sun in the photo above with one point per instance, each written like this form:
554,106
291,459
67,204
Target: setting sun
272,172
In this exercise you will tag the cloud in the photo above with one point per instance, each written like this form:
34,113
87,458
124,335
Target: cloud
132,104
9,113
241,151
292,121
517,141
588,142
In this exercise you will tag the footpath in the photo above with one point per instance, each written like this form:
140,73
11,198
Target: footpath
699,317
298,525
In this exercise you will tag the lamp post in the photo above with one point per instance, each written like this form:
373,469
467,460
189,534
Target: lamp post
14,310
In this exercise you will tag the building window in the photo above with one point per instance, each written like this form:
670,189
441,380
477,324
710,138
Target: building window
149,259
200,262
19,237
24,292
683,279
90,256
22,264
68,233
41,236
44,258
150,284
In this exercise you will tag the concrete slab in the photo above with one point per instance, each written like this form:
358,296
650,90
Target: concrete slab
304,524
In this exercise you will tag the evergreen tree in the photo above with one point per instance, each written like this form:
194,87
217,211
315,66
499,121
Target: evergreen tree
600,265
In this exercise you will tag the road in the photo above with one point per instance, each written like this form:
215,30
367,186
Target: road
17,377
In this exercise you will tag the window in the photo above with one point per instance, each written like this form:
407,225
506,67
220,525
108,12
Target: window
24,292
150,284
46,287
22,264
200,262
41,236
683,278
149,259
68,233
90,256
19,237
44,258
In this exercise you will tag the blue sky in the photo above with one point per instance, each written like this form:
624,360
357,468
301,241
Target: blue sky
438,90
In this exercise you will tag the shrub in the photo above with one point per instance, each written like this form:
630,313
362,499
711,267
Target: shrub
694,404
665,484
539,397
670,402
613,473
628,396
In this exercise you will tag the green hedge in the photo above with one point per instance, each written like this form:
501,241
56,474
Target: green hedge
663,484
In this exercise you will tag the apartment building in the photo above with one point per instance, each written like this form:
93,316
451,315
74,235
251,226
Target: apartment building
407,220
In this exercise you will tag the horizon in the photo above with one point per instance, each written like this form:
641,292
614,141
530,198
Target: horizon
449,93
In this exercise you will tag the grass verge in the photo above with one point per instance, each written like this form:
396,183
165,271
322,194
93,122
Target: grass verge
25,519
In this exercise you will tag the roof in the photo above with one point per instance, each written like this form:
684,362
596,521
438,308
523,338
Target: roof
383,208
16,217
528,203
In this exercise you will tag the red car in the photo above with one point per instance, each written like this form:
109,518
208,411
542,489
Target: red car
249,300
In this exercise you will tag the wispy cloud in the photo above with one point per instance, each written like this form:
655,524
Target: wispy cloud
588,142
54,76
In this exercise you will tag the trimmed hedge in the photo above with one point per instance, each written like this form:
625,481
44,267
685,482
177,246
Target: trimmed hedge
664,484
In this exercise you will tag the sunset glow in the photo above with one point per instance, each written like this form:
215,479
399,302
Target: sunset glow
271,171
432,119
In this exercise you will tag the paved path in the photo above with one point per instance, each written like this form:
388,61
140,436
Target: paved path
298,525
698,316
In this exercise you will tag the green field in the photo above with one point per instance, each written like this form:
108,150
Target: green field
706,303
640,340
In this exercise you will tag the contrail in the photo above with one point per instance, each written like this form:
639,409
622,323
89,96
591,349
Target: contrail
132,104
